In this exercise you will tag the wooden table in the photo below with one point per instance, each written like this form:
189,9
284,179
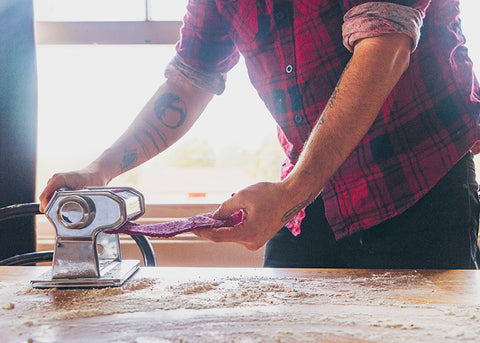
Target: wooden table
247,305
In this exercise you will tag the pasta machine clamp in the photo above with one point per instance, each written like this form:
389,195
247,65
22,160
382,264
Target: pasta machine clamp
84,255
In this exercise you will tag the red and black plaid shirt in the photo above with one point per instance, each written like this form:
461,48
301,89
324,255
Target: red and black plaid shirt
295,52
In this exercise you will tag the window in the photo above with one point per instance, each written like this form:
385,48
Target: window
469,15
89,93
108,10
98,62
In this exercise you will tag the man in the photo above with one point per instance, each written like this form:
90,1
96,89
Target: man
377,110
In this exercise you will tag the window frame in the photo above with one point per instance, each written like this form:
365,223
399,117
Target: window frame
107,32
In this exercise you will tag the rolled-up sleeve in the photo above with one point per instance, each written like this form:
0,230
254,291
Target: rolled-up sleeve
372,19
205,52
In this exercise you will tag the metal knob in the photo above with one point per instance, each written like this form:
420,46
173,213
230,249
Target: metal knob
75,212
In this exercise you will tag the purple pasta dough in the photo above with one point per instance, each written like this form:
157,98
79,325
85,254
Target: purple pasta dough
170,229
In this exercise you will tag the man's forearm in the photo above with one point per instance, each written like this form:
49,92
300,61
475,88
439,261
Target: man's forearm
369,77
167,116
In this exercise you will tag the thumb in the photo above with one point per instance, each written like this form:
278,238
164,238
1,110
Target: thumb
227,208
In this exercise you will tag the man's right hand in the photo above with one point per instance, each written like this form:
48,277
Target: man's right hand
72,180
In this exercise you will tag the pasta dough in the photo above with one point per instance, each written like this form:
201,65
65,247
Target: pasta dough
173,228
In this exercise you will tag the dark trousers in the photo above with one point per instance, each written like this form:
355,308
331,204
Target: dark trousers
439,232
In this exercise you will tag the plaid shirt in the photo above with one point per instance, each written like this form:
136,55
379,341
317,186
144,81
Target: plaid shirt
295,52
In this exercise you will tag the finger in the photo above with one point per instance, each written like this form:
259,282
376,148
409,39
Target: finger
43,204
233,235
52,185
228,207
46,196
224,234
57,181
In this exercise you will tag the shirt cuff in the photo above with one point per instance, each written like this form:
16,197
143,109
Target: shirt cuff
211,82
374,19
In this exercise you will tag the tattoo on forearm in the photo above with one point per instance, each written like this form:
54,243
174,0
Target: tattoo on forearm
142,145
129,159
170,110
333,97
160,135
150,137
321,120
294,210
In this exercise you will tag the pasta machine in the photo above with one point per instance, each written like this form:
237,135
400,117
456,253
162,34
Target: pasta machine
85,255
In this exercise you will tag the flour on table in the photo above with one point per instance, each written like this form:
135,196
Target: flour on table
246,309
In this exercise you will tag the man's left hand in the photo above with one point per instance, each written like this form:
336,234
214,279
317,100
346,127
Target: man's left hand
264,205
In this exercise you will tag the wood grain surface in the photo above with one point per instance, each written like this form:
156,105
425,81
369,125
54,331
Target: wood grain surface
247,305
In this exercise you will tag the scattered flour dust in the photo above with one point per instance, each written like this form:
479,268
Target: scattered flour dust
146,295
357,305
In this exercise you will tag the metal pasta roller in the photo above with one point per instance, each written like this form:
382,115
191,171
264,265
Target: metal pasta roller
84,255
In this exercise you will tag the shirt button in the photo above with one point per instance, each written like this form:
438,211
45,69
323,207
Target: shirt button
289,68
298,119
